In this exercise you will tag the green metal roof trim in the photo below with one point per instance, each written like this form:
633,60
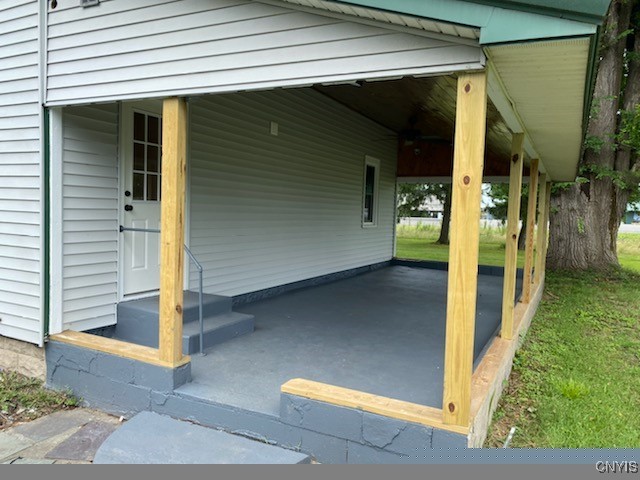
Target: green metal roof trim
504,21
588,11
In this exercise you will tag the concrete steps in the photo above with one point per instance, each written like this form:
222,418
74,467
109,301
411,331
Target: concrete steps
138,321
217,329
149,438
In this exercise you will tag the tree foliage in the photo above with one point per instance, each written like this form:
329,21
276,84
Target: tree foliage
412,196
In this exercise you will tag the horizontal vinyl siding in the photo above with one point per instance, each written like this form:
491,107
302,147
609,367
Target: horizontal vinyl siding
20,226
269,210
90,216
147,48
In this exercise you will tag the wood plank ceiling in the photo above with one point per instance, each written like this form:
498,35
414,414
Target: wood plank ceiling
425,105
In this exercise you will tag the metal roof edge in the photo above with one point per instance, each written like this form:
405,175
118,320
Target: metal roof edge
497,22
586,11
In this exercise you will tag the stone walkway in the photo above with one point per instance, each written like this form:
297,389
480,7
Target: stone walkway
68,436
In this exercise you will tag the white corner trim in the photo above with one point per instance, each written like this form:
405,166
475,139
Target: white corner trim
56,288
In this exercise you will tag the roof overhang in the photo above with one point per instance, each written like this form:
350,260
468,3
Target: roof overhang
540,59
539,90
496,21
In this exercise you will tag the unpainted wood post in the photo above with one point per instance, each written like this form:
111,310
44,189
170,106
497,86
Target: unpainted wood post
513,229
547,206
527,278
540,233
470,131
174,158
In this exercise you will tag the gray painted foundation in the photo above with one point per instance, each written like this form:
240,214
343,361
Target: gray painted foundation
116,384
310,282
337,333
329,433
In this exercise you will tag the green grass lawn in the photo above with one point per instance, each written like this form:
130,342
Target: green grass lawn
419,243
629,251
575,379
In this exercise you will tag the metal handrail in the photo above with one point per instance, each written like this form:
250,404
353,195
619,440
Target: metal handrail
198,266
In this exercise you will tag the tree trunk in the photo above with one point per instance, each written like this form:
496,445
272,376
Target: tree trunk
625,158
585,216
576,239
446,218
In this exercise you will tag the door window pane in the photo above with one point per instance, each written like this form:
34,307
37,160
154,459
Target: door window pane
138,186
138,126
138,156
152,187
153,129
152,158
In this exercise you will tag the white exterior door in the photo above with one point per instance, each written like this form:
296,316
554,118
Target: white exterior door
140,202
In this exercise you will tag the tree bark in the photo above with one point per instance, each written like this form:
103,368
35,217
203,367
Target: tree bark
625,159
446,219
585,216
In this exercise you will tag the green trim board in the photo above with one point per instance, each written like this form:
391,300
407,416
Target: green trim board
497,23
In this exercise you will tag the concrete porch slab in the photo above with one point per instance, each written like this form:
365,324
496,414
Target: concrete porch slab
381,332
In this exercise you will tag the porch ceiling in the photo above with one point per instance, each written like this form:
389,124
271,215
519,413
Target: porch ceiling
542,89
424,104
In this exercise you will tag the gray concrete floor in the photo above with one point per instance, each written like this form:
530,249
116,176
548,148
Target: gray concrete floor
380,332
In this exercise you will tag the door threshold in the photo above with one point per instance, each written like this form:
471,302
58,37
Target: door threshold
137,296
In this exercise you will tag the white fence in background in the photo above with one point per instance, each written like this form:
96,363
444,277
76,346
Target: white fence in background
413,221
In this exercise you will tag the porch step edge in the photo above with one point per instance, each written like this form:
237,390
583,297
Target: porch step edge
148,307
217,329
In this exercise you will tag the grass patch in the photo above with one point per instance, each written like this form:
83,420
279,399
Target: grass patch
23,399
574,381
418,242
629,251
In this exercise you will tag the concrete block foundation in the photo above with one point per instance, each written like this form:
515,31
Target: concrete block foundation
329,433
115,384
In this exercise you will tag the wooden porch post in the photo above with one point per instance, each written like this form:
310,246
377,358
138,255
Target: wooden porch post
513,228
542,227
527,282
470,130
174,154
545,243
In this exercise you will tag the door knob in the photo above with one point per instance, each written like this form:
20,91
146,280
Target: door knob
128,208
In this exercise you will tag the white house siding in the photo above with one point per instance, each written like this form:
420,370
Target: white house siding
20,255
269,210
153,48
90,216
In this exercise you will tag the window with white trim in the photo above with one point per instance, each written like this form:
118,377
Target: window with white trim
370,191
